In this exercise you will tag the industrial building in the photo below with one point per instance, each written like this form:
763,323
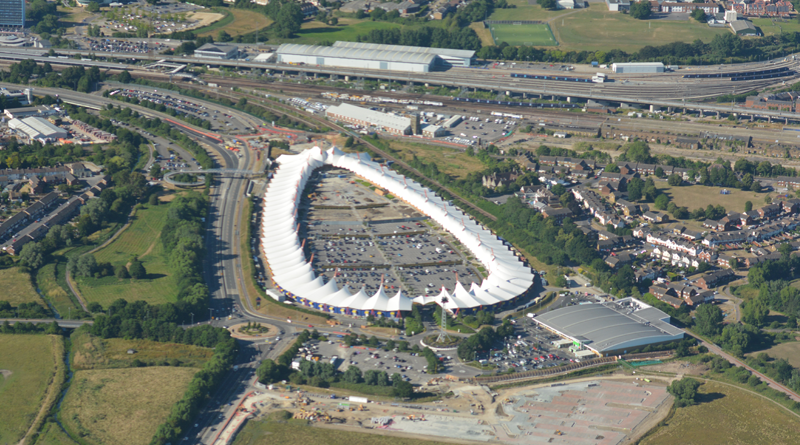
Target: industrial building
453,121
293,275
373,56
369,118
19,113
638,68
610,328
433,131
37,129
217,51
12,13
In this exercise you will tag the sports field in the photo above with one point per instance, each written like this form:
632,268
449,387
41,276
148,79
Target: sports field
27,364
517,35
141,238
694,196
122,406
727,415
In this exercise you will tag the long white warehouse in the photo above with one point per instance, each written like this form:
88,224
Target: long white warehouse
293,275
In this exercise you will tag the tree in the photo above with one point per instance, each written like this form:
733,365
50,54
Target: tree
352,375
674,180
402,389
755,312
684,391
93,7
223,36
153,200
121,272
558,189
32,255
136,269
94,307
124,77
635,187
662,201
242,102
333,21
547,4
638,151
748,206
349,142
699,15
640,10
708,319
289,19
660,172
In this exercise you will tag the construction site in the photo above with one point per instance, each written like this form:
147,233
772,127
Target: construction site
601,411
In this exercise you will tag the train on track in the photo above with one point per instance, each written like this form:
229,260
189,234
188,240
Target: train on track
763,76
564,79
737,74
389,100
515,104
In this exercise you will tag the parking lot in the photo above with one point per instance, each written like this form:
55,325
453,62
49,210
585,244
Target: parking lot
473,129
364,239
409,365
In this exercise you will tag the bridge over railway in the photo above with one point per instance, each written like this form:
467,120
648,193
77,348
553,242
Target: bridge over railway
232,173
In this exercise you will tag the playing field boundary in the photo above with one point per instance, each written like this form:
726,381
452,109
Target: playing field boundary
489,24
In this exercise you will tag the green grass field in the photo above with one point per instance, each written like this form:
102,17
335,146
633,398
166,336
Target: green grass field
30,360
776,26
142,238
728,416
347,29
525,11
17,287
517,35
293,432
52,434
47,280
694,196
789,351
91,352
122,406
597,29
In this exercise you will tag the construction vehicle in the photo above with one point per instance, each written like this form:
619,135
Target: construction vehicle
558,433
361,408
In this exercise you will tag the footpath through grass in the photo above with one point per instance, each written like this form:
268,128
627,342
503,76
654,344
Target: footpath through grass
122,406
142,239
727,415
29,358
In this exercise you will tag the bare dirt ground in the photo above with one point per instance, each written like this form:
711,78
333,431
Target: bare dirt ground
204,19
5,373
678,368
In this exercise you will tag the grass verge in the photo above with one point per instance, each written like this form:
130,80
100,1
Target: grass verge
59,297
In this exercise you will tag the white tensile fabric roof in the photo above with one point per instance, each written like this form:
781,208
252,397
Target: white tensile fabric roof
508,276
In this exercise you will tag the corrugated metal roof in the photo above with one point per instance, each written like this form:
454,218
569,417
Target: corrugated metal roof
374,117
467,54
356,53
609,325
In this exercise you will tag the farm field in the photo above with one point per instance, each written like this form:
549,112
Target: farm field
244,22
47,281
694,196
122,406
738,418
17,287
518,35
597,29
90,352
31,363
296,433
141,238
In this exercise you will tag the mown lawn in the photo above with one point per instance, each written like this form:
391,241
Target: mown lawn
244,22
122,406
141,238
728,416
90,352
31,362
347,29
597,29
695,196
